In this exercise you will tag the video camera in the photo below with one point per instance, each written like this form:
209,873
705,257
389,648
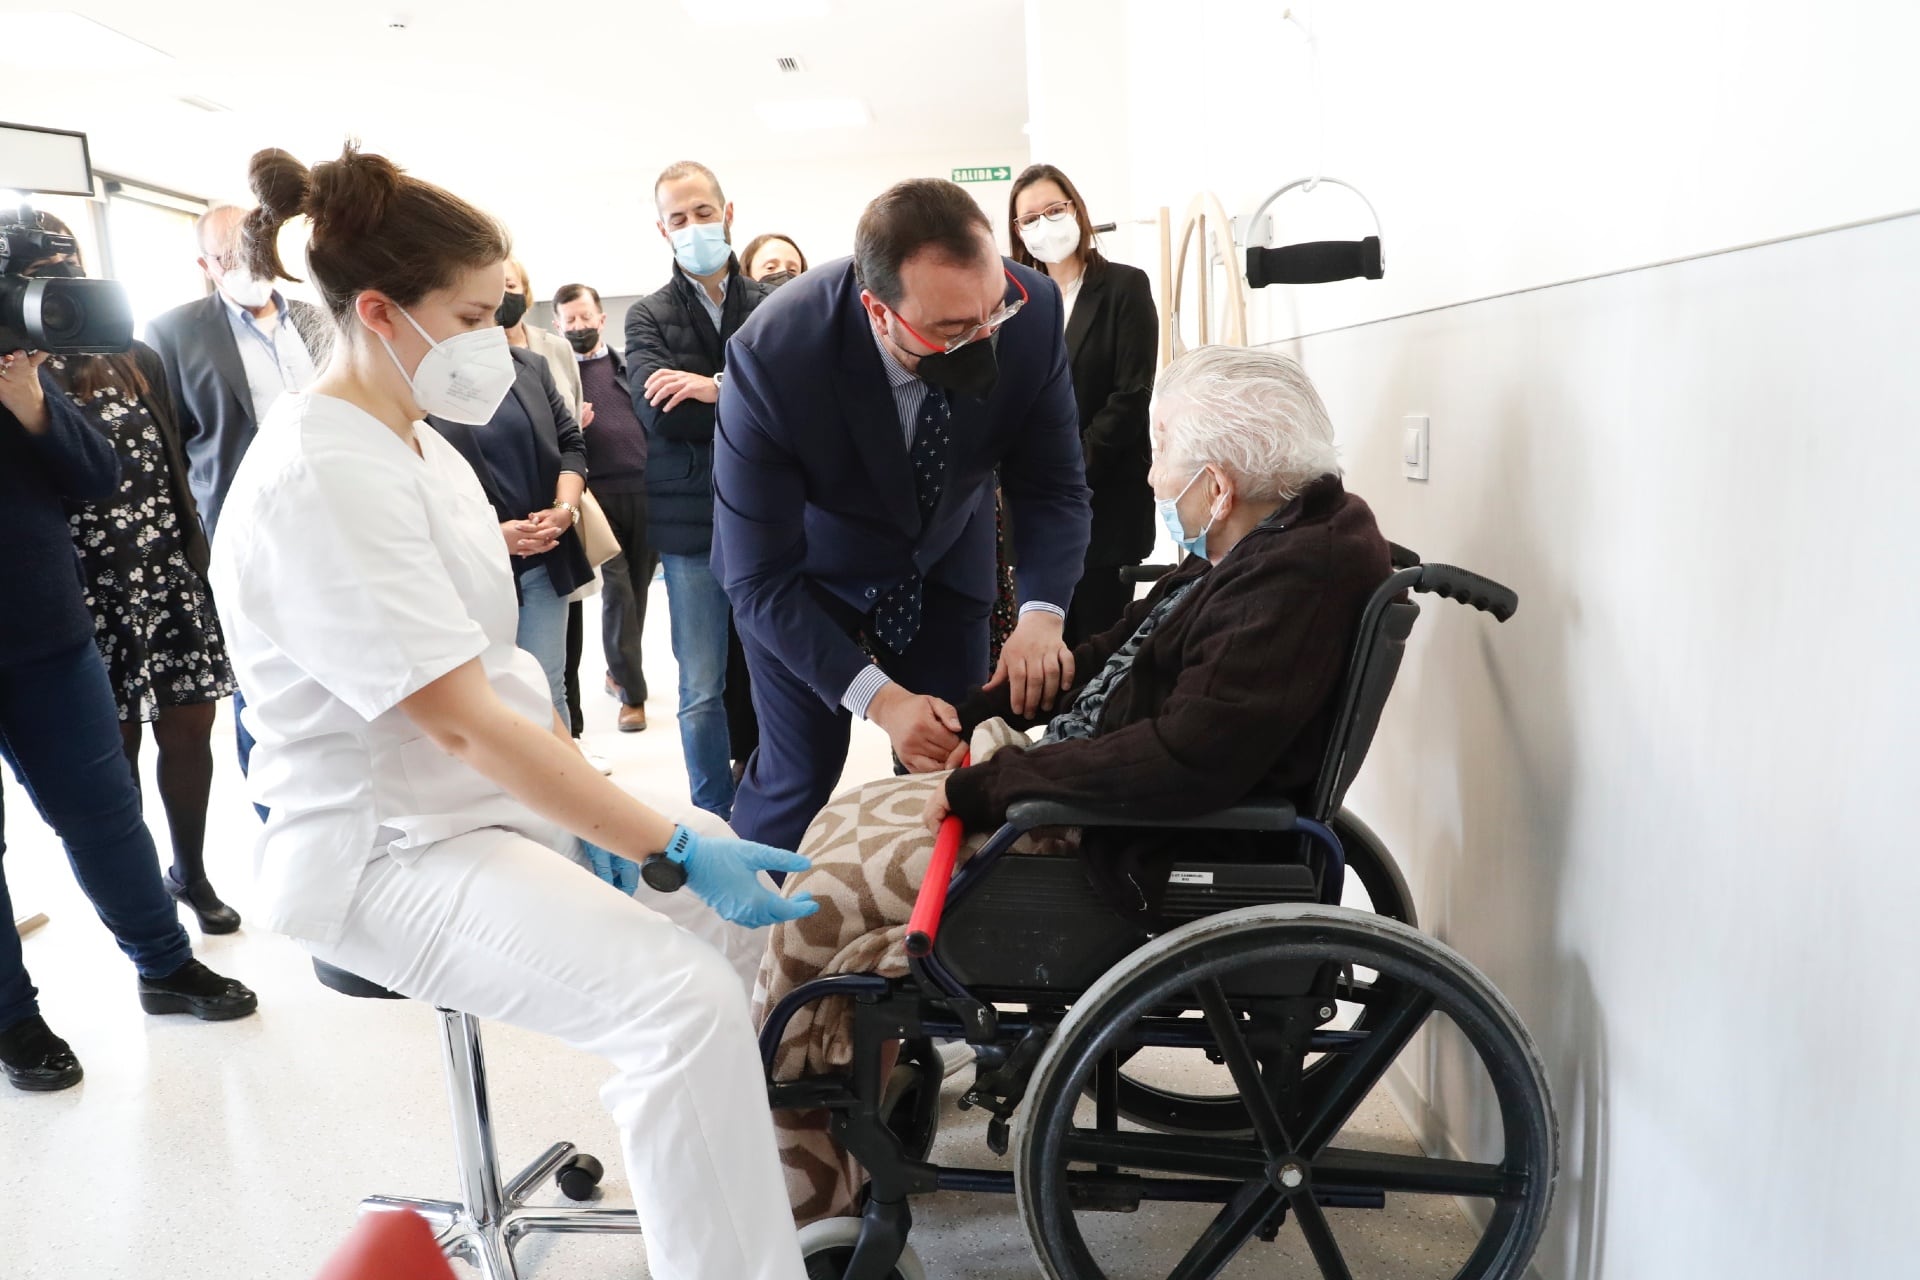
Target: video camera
60,315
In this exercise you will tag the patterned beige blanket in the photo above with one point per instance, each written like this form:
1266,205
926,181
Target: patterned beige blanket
870,853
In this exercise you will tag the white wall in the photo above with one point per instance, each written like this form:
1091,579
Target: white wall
612,243
609,239
1663,808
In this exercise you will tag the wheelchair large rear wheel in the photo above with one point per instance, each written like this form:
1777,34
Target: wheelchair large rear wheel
1303,1165
1159,1092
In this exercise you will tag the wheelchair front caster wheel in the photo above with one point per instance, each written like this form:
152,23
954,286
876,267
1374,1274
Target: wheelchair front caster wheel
578,1177
827,1247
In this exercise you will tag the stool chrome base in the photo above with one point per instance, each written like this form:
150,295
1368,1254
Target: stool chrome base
490,1217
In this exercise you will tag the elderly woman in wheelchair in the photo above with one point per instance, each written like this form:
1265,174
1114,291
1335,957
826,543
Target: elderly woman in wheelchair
1172,1009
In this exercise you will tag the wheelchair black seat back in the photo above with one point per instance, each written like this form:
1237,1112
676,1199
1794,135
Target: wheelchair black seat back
1215,1064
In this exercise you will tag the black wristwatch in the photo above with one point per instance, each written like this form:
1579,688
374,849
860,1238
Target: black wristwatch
667,872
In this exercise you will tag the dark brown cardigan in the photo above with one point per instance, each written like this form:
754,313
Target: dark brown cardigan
1232,694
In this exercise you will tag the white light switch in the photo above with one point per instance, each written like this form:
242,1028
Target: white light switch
1413,447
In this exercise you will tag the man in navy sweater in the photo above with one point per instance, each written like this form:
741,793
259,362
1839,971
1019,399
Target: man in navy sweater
60,732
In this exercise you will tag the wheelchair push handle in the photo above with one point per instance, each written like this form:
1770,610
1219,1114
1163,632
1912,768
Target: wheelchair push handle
923,928
1468,588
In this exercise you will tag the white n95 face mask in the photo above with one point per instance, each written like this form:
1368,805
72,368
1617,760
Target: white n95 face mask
463,379
1051,241
240,285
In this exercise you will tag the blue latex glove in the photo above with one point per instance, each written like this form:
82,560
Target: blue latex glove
622,873
724,871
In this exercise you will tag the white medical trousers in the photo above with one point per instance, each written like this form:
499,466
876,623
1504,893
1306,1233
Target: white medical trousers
501,927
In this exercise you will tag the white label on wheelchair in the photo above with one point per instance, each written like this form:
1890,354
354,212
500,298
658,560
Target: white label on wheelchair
1191,877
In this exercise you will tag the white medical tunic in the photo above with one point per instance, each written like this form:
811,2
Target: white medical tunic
350,572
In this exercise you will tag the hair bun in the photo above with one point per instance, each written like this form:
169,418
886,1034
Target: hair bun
349,197
280,183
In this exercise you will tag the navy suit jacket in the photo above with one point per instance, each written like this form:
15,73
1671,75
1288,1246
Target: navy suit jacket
814,492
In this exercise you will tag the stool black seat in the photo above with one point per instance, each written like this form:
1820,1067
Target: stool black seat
490,1216
351,984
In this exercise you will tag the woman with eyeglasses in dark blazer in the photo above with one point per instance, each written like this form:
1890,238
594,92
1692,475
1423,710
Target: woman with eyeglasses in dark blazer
1113,338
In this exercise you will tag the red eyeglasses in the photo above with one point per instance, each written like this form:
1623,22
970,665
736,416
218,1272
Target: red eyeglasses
985,329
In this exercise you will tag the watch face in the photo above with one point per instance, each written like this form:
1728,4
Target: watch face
663,874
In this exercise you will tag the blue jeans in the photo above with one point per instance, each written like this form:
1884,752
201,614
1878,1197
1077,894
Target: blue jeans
543,633
697,612
60,732
244,741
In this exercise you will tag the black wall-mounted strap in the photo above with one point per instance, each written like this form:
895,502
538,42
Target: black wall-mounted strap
1315,262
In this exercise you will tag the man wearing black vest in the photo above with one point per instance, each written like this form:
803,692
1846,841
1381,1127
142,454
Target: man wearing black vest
676,351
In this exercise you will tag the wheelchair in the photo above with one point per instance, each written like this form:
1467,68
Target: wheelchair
1205,1073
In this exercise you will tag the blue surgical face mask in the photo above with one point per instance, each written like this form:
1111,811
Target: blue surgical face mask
1195,544
701,248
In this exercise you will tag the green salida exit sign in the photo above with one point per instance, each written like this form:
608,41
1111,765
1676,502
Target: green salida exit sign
987,173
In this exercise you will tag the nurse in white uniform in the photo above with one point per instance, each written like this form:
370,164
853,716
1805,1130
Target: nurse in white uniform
420,786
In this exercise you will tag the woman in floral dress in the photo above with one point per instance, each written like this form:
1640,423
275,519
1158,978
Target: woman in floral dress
145,558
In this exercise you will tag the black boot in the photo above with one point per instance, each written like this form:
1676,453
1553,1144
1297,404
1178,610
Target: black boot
36,1059
214,915
193,988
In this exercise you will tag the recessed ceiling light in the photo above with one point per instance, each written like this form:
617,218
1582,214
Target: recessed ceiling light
793,116
731,13
82,42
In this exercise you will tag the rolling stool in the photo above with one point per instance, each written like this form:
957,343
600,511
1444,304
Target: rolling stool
489,1218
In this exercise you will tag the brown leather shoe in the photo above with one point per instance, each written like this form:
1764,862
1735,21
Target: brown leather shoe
633,719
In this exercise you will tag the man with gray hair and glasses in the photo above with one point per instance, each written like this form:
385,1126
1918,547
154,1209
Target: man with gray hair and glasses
228,357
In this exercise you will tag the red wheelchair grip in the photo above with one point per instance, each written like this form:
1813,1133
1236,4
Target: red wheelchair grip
924,926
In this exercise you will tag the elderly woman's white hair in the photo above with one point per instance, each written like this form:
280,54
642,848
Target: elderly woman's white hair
1251,411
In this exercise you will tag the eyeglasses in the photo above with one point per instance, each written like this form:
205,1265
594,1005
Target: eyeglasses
1052,213
985,329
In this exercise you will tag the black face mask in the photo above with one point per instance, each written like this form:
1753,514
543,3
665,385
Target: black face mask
511,310
774,279
583,341
971,371
58,271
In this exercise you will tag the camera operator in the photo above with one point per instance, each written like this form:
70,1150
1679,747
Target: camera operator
60,732
145,561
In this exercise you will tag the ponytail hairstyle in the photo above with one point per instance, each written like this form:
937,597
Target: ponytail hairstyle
373,227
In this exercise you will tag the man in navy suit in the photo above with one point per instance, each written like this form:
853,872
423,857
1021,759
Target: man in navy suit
865,411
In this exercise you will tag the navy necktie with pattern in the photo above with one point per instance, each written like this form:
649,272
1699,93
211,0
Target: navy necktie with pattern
896,621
